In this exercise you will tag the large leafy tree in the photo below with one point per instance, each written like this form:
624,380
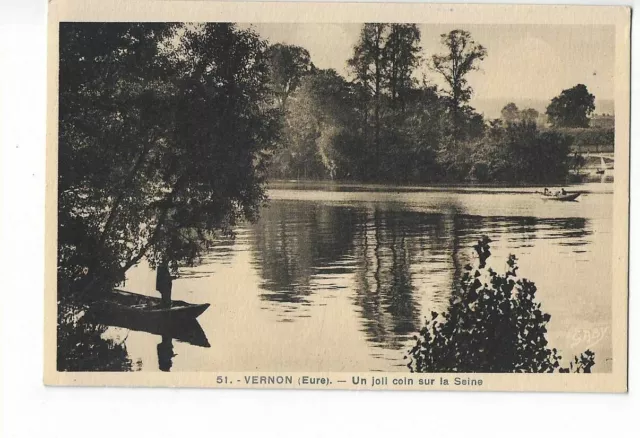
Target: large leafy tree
317,139
461,57
383,62
368,65
571,108
112,109
288,64
403,57
418,131
163,140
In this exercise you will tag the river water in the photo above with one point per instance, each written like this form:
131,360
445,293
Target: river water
339,278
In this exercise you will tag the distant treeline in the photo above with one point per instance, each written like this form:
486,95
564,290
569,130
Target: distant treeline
591,139
383,124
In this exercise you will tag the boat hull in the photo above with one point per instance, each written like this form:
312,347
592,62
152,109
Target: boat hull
130,305
148,314
567,197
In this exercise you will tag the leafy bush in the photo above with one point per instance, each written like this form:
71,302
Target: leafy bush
493,324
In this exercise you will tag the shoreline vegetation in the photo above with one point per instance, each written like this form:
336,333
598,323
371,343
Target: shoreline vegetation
441,186
169,133
493,324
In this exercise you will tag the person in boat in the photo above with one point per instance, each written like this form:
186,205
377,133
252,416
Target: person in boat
164,283
546,191
563,192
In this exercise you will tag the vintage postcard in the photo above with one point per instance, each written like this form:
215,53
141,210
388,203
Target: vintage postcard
337,196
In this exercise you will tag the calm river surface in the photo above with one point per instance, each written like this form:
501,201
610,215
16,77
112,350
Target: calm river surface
339,278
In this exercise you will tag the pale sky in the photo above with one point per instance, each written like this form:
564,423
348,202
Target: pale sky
523,61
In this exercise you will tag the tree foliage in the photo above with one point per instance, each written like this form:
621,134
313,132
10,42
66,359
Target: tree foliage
316,136
572,108
519,151
387,126
402,53
590,136
510,113
383,62
493,324
288,64
110,109
529,115
415,138
163,132
462,56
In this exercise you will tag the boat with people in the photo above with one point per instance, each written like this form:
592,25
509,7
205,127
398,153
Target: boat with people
128,305
560,195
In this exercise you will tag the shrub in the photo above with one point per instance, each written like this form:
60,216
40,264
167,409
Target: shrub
493,324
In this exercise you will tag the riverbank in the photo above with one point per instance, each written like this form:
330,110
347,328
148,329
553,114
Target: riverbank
479,188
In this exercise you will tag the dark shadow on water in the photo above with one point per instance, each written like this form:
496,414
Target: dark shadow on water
188,330
185,330
165,353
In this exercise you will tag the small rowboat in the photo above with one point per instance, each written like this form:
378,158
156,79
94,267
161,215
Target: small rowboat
128,305
566,197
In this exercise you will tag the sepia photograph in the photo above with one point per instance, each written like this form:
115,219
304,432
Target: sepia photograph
302,201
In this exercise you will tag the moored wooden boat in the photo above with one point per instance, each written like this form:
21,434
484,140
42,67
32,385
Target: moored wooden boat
126,305
559,197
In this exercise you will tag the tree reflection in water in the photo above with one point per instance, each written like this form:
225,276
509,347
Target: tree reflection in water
293,240
394,260
81,346
386,246
86,347
393,264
